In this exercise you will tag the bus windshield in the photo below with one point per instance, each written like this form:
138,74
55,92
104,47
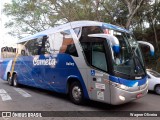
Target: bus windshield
129,60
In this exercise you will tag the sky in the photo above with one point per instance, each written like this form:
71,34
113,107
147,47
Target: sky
5,38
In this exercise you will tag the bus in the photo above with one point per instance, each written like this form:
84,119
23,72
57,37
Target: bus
83,59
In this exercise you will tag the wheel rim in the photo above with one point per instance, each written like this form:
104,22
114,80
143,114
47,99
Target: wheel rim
158,89
77,93
15,82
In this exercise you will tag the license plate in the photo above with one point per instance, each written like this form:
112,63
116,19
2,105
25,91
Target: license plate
139,95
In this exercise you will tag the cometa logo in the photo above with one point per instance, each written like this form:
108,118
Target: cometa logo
49,61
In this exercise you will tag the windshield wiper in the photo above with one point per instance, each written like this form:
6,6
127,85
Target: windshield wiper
138,64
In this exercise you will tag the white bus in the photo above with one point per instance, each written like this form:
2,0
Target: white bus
84,59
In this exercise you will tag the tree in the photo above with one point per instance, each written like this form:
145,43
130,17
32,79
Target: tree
32,16
122,12
152,15
29,16
133,6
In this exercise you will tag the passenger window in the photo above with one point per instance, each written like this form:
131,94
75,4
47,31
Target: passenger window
63,43
98,56
93,48
95,54
43,46
23,52
37,46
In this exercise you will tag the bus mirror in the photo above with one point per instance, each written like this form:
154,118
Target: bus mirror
148,44
112,40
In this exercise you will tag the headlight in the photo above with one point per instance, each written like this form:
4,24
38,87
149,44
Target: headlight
123,86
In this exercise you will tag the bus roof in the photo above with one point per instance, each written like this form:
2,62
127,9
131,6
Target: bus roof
70,25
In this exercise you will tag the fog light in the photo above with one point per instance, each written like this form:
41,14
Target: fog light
122,98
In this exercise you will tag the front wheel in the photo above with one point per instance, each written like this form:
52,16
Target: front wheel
15,83
157,89
76,93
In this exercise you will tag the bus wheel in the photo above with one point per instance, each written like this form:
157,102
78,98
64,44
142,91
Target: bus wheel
76,93
10,81
15,83
157,89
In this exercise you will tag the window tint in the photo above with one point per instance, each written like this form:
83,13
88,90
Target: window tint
95,54
37,46
89,30
98,56
93,48
86,46
63,43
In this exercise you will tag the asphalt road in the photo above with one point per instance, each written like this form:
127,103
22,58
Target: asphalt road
33,99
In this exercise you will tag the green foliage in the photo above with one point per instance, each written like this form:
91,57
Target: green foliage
31,16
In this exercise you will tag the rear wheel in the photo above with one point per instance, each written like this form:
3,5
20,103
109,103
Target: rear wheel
157,89
76,93
15,83
9,79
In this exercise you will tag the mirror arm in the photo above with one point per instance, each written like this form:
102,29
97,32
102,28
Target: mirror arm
148,44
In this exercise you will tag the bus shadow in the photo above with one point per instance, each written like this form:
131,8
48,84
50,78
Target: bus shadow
45,92
87,104
108,107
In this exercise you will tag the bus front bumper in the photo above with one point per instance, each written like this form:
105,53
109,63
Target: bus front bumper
120,96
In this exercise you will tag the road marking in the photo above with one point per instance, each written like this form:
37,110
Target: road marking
2,91
4,95
22,92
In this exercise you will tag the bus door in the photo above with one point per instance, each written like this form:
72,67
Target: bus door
96,57
101,65
97,73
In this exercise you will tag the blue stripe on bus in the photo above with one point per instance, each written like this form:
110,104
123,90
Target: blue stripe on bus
5,67
48,77
113,27
129,83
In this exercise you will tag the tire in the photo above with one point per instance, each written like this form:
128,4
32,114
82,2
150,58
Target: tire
14,79
76,93
157,89
9,79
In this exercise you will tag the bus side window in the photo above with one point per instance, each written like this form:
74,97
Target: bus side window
29,48
23,52
36,46
98,51
93,48
43,46
67,44
14,50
